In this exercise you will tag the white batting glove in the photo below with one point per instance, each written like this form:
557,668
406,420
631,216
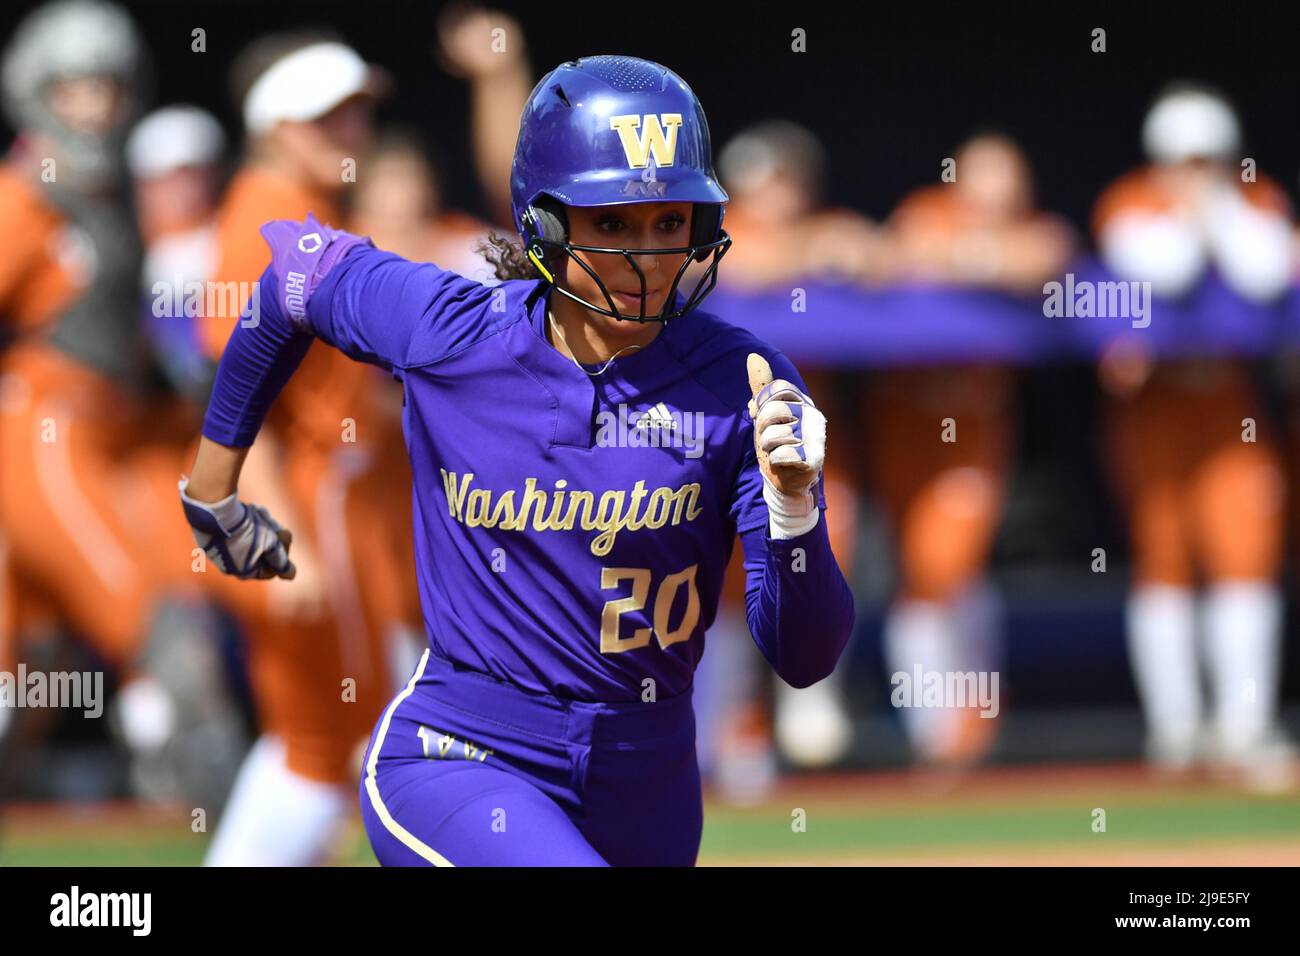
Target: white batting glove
242,540
790,442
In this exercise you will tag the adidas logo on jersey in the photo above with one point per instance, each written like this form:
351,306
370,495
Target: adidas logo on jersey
657,427
657,417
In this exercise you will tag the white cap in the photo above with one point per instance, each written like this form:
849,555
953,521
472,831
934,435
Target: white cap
305,85
171,138
1190,123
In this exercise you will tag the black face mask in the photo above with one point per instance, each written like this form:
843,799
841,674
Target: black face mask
716,250
547,244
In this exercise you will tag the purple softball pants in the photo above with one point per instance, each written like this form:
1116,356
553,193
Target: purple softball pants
466,770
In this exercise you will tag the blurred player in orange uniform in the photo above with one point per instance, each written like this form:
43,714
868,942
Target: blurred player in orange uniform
175,155
399,204
943,489
90,441
1205,499
323,648
61,194
317,645
775,175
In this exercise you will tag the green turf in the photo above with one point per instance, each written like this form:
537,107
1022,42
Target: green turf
834,829
769,831
120,850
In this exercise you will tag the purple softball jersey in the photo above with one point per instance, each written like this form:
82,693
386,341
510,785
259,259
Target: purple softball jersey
571,534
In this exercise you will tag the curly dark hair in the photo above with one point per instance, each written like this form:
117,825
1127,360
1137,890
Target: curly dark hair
507,257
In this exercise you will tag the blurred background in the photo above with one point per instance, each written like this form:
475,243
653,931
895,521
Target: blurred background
1099,512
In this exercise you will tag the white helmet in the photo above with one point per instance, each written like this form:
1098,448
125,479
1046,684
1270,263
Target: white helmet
1191,122
174,137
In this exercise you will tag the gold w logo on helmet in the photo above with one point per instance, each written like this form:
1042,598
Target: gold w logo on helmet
643,135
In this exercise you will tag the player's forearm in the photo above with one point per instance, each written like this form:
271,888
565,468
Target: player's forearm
242,539
215,474
799,606
258,360
495,98
261,479
256,472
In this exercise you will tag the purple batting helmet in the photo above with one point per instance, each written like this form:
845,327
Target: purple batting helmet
610,130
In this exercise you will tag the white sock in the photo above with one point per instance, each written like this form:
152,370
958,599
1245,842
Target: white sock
1243,625
924,634
147,713
1162,648
812,725
275,817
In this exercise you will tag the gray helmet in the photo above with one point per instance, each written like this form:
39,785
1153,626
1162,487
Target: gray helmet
64,40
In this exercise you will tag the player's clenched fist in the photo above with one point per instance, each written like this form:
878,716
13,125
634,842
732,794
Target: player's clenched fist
790,441
242,540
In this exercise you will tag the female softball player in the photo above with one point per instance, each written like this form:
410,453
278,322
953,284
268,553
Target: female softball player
585,447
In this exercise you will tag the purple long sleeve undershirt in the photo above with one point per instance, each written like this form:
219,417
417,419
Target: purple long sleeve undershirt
258,360
798,605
